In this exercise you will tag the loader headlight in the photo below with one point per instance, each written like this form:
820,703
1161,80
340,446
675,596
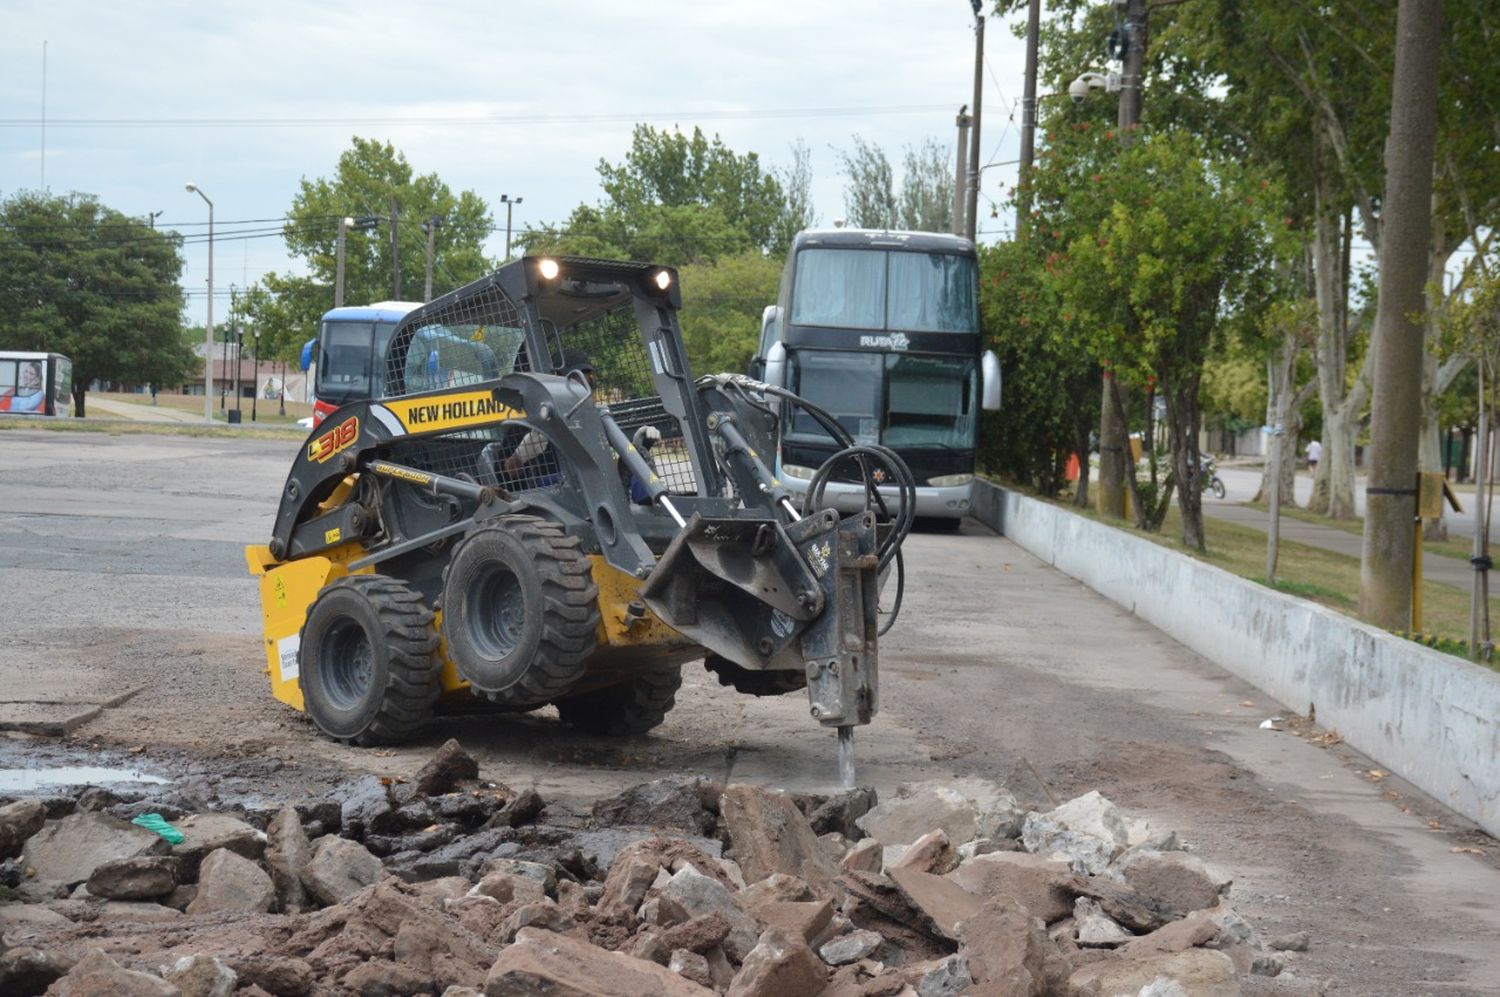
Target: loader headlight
796,471
662,280
548,269
950,480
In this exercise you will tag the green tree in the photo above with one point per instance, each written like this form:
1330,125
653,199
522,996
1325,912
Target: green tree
796,210
1157,251
368,178
674,199
1051,397
721,309
84,280
869,186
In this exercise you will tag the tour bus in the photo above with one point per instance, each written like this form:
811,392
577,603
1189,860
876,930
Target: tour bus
350,351
35,383
881,329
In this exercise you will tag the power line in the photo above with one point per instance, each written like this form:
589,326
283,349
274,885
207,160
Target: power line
498,119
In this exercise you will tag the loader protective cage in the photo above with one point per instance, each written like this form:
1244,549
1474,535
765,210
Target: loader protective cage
556,392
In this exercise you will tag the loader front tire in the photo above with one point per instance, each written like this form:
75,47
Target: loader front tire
520,610
633,707
367,661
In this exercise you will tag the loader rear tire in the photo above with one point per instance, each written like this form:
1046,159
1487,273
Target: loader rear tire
633,707
367,661
520,610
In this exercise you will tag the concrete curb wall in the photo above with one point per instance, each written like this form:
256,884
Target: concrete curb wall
1432,718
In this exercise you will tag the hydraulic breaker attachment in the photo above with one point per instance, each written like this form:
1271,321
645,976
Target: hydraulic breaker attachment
772,596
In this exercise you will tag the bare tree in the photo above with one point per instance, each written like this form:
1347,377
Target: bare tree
927,188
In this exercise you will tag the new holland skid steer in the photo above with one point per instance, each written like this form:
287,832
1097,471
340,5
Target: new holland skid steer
542,506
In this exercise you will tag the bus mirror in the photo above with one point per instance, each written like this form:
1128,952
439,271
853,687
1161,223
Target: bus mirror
776,365
989,366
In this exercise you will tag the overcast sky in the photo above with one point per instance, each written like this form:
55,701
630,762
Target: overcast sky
499,98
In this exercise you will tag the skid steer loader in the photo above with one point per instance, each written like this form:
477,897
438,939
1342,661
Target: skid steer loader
542,506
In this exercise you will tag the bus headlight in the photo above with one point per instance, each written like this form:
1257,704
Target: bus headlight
796,471
950,480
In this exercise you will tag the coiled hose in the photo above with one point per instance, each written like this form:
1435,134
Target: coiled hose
866,456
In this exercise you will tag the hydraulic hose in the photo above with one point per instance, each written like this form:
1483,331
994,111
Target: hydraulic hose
864,455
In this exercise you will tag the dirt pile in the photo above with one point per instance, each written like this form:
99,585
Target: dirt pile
450,885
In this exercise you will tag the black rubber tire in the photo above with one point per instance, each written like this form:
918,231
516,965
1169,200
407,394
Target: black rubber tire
632,707
520,610
368,661
1217,486
755,683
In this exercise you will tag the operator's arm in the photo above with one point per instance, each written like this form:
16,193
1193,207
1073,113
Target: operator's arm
530,449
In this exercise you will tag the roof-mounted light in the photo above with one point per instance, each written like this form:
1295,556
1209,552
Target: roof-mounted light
663,279
549,269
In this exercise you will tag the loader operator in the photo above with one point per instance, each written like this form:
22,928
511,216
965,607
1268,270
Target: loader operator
534,444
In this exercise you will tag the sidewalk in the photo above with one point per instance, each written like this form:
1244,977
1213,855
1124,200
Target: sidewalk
1435,567
141,413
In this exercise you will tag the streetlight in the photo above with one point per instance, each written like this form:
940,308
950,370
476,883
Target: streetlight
255,379
509,203
345,224
208,334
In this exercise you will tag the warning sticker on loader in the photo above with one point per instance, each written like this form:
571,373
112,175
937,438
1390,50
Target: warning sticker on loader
286,651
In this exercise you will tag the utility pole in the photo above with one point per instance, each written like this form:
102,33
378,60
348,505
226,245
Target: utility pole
1114,441
1028,120
972,215
396,248
430,226
338,266
1385,577
961,171
510,203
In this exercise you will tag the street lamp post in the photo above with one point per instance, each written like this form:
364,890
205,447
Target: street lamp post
208,334
345,224
255,378
509,203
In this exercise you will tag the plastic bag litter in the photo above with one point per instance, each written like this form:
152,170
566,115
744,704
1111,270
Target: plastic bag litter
158,823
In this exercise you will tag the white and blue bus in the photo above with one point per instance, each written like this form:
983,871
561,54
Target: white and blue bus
33,383
349,353
881,329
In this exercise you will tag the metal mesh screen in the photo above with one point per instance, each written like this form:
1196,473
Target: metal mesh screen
512,457
478,338
612,343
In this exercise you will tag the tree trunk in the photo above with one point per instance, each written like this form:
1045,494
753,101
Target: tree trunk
1385,567
1081,448
1183,420
80,387
1283,407
1113,457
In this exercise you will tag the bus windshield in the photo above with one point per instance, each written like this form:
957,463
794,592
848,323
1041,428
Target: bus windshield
347,352
895,399
886,290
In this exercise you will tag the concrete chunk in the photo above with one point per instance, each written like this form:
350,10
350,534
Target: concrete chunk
771,835
69,850
230,882
544,963
340,868
779,966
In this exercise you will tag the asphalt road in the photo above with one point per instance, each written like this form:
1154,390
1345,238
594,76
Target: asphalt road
121,559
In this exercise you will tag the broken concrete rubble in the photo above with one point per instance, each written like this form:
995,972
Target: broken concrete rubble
577,904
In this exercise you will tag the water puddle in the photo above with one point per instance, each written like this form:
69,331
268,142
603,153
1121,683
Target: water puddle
30,779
